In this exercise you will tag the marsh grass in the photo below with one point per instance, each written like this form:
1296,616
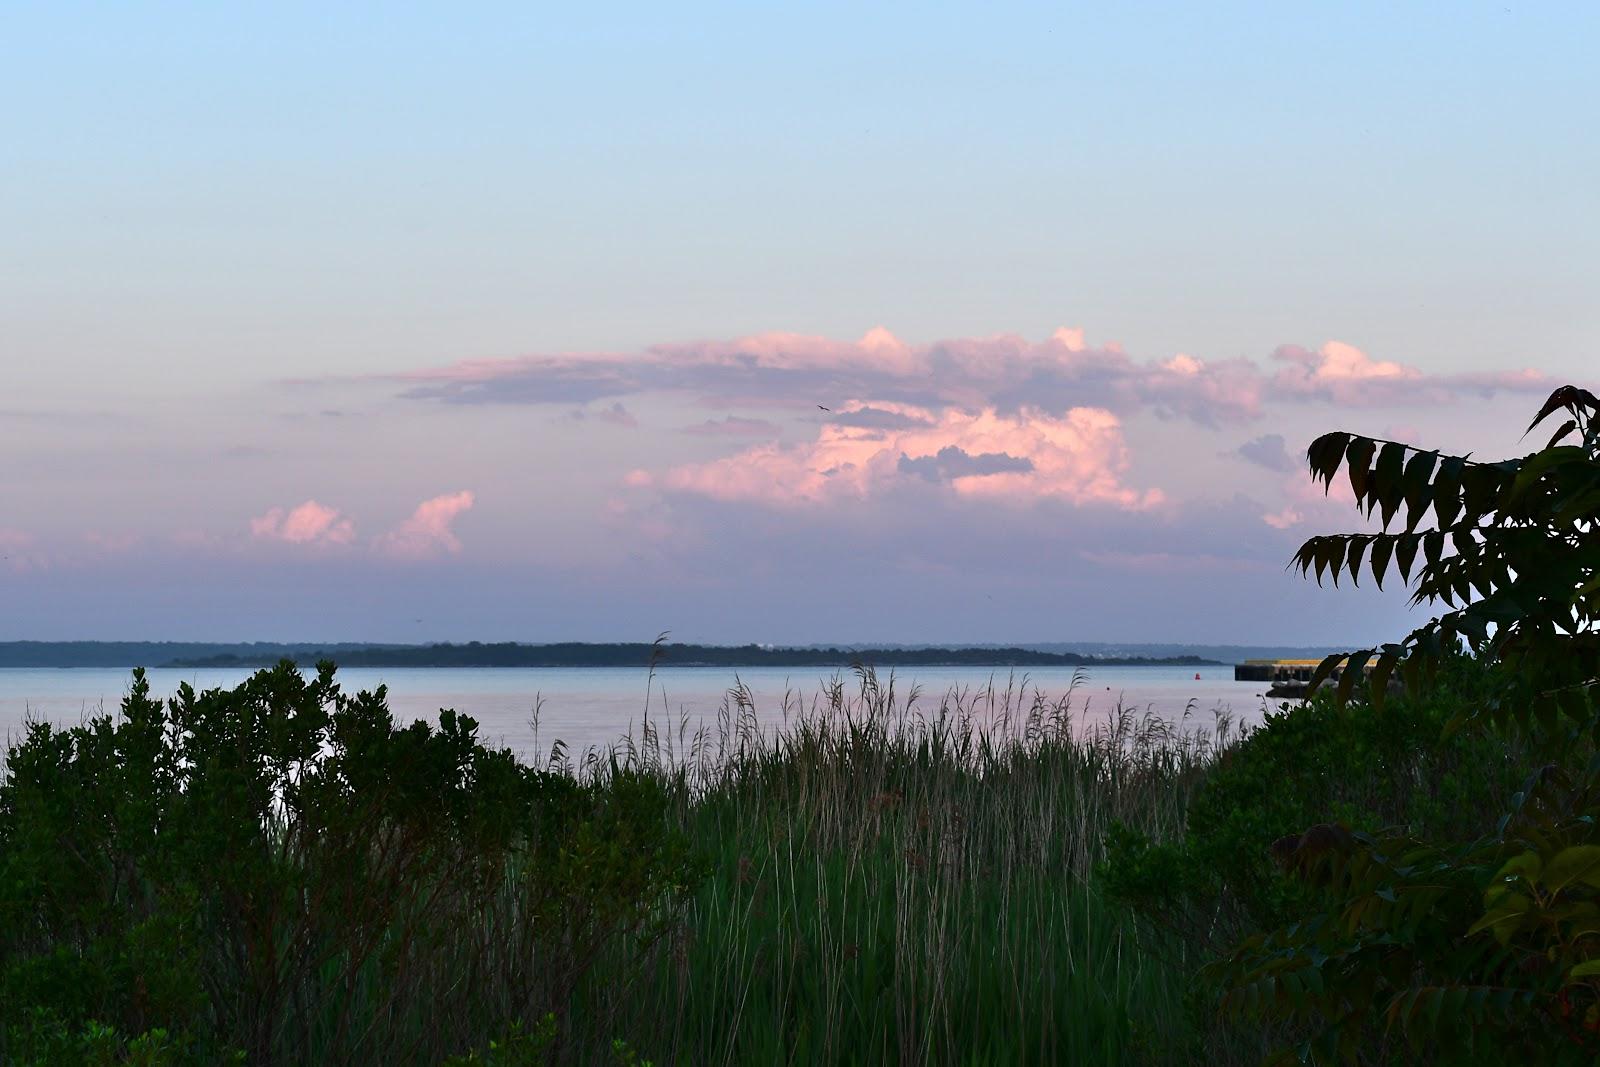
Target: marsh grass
896,880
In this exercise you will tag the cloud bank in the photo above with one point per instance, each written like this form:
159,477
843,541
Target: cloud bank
1005,372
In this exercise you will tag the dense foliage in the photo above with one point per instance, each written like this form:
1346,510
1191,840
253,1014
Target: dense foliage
1513,555
1474,944
1304,764
280,872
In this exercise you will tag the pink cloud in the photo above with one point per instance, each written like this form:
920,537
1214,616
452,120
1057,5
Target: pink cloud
428,531
1005,372
1284,519
877,348
1339,372
1078,457
788,370
1338,361
1070,337
309,523
1343,374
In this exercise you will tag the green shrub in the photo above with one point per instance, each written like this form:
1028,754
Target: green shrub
1365,768
1476,944
281,868
48,1042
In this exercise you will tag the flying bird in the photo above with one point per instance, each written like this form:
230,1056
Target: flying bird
821,408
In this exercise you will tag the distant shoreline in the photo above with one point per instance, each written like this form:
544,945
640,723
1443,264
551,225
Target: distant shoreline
564,654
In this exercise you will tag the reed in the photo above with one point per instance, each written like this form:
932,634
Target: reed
899,880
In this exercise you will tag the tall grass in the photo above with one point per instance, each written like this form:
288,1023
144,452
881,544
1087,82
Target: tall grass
895,881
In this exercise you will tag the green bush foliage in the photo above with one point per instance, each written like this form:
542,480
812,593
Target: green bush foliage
1415,941
1357,765
282,871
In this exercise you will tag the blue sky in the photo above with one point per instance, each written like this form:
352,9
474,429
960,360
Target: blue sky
236,238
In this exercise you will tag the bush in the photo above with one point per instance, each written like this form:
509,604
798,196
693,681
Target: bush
1365,768
1476,944
283,870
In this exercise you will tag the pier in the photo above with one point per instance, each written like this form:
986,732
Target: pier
1289,677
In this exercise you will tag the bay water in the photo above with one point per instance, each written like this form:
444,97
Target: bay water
588,707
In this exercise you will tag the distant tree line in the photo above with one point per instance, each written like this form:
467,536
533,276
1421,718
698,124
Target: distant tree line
640,654
124,654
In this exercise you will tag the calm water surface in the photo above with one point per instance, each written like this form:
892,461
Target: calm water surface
596,706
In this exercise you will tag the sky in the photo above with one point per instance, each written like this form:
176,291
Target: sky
780,323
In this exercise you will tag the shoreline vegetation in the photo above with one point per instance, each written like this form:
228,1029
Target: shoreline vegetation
282,873
477,654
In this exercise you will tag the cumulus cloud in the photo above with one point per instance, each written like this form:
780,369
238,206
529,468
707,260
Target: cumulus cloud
309,523
1005,372
1342,373
1339,362
428,531
1078,457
